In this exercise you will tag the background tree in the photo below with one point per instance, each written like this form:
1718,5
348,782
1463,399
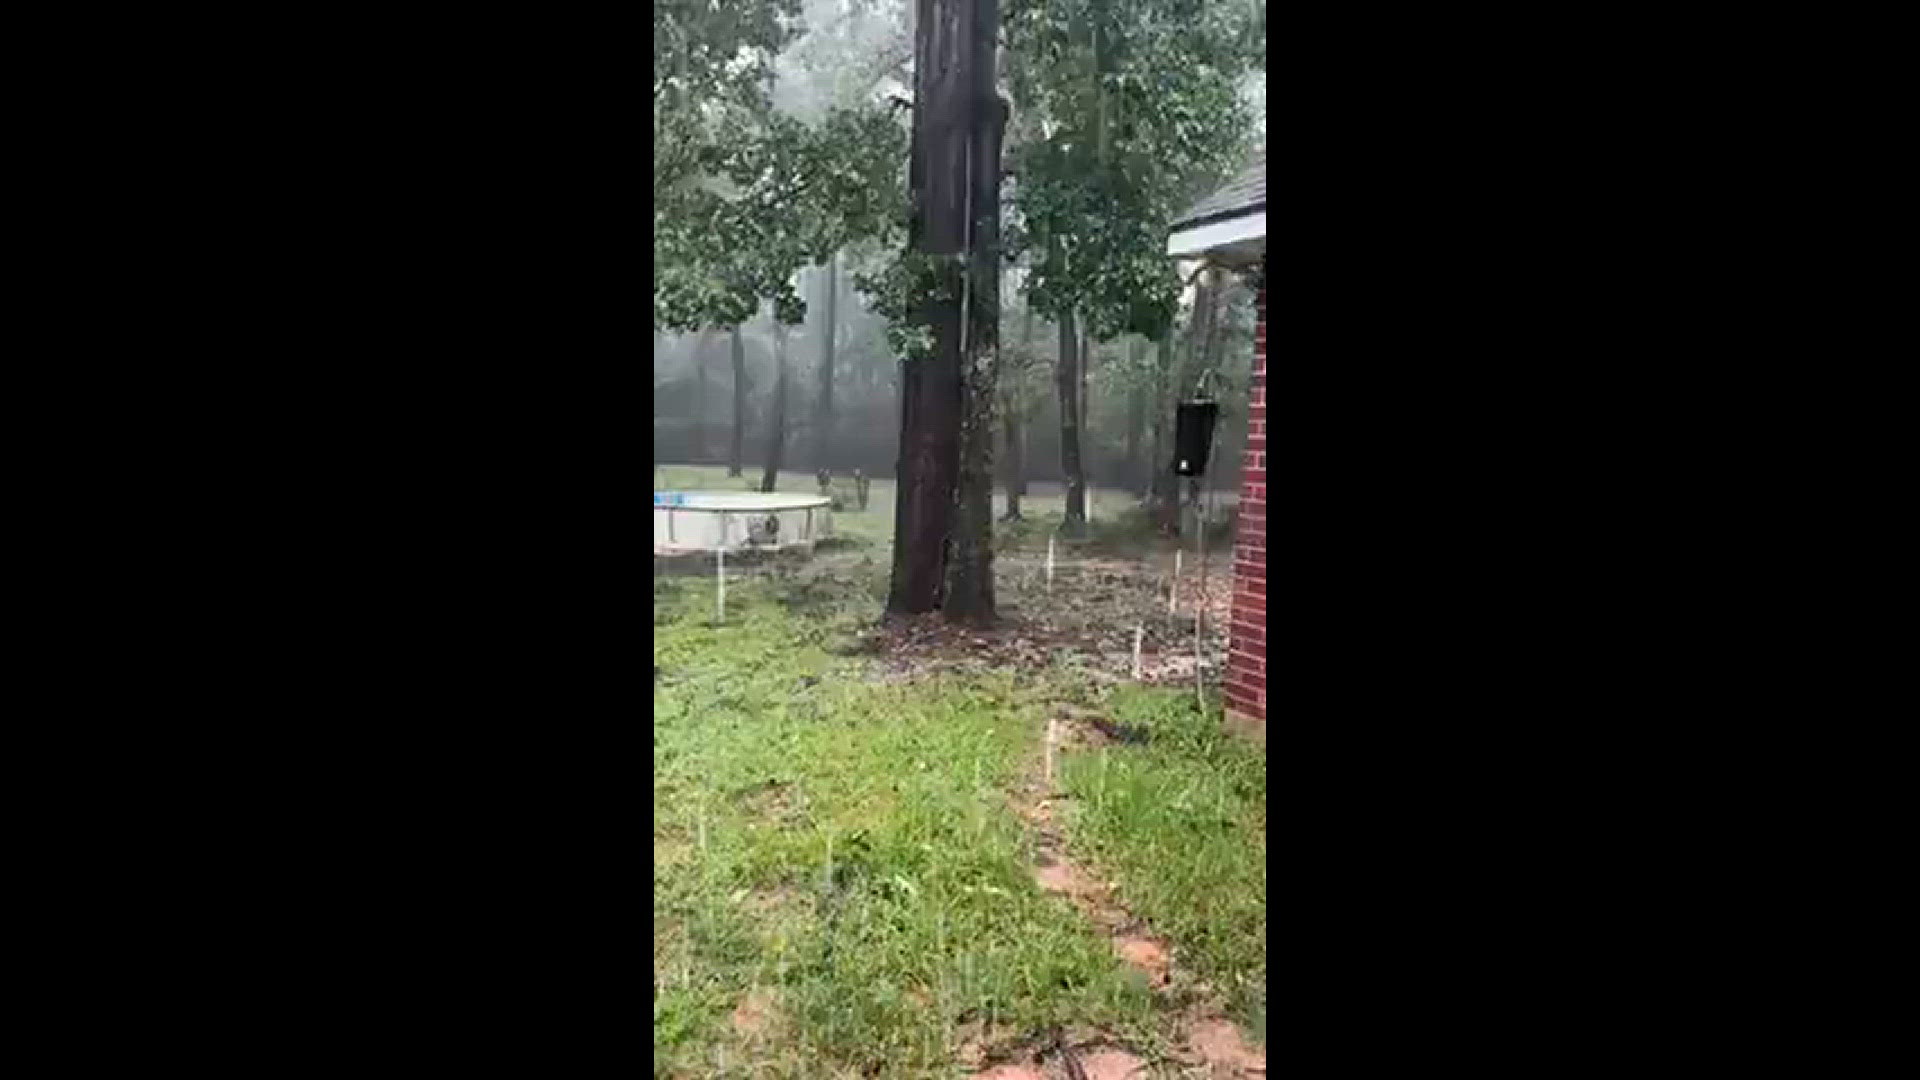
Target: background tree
1127,107
751,194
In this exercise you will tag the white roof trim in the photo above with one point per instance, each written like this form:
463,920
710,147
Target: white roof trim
1191,243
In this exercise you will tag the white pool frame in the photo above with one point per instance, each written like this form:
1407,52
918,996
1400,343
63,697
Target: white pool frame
690,521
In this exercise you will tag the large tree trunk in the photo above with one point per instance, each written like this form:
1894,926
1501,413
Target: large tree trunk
926,472
777,421
739,403
969,587
952,60
823,403
1067,370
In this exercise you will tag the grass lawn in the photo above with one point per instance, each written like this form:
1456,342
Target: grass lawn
841,884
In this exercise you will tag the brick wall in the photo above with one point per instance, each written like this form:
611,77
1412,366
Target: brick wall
1246,686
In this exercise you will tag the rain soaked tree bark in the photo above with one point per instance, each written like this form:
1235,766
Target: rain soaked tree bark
970,596
954,42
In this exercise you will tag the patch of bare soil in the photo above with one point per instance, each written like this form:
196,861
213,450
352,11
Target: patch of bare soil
1112,1065
1219,1043
1078,1054
758,1014
1088,622
1012,1072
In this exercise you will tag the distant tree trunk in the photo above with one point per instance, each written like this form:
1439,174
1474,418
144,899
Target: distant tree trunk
700,356
734,454
1162,486
823,404
777,420
1136,418
1016,459
1087,444
1067,373
1017,429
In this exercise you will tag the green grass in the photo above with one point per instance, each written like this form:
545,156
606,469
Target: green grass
842,845
840,849
1181,822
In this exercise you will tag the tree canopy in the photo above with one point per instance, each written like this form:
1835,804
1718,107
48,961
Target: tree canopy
744,194
1125,107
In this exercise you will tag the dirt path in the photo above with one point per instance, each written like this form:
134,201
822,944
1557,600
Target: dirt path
1205,1042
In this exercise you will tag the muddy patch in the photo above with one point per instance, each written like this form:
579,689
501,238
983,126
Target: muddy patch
758,1014
1012,1072
1219,1043
1060,876
1146,955
1112,1065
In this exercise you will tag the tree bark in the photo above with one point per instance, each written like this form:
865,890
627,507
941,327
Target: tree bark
739,403
953,59
1068,377
777,420
929,461
969,587
823,403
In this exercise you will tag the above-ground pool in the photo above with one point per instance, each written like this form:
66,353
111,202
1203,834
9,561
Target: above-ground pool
685,521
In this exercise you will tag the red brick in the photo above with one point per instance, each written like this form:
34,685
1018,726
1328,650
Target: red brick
1251,688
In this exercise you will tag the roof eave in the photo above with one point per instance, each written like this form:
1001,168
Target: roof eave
1238,239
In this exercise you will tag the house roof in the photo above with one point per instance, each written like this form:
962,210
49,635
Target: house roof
1244,194
1229,227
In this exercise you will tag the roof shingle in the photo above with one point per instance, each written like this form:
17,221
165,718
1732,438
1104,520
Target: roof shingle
1243,194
